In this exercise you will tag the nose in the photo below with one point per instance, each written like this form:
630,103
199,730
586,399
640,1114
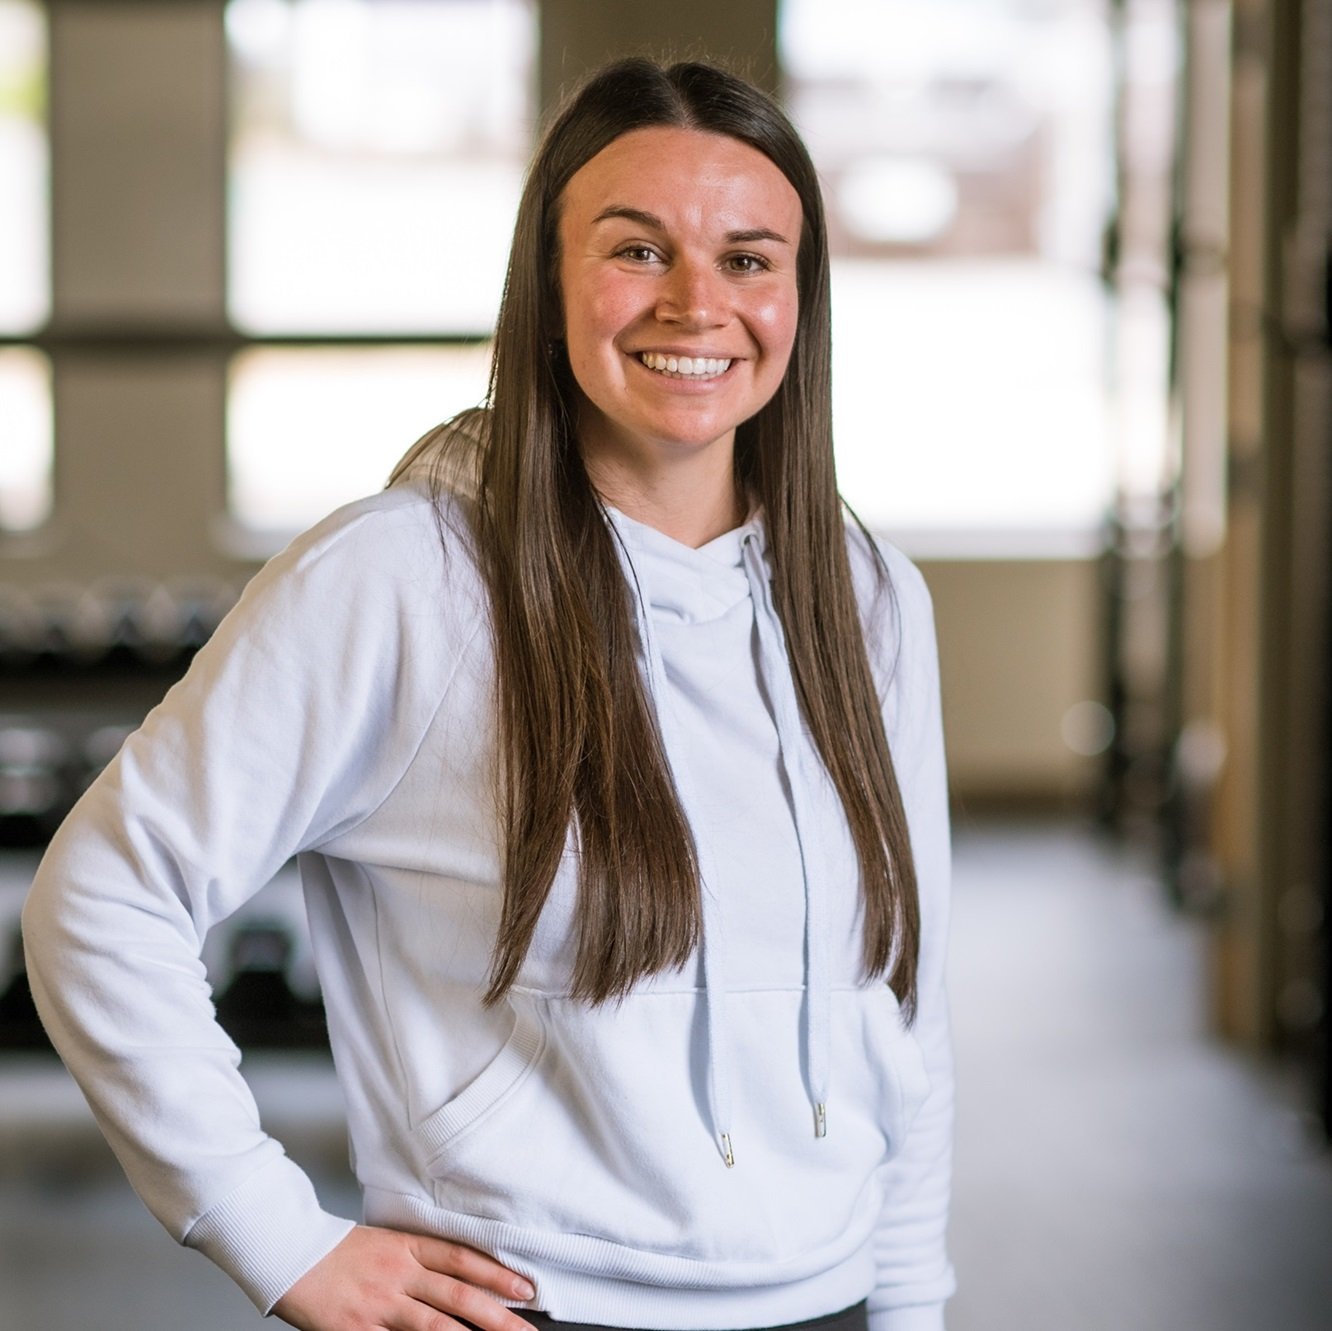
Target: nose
693,295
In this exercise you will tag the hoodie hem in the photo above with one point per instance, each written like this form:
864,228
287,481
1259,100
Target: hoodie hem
691,1295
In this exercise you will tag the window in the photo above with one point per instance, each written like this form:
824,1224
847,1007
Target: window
25,433
310,428
25,382
377,154
25,297
966,156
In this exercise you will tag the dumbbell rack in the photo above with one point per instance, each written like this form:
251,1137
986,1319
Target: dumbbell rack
79,670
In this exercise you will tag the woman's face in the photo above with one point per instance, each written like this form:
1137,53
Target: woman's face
677,272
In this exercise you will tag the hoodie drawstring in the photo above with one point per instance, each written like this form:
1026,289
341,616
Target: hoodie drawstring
775,665
781,690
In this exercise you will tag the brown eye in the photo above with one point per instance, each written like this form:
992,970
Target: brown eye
748,263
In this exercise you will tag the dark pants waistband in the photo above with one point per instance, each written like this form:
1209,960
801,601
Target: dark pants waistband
849,1319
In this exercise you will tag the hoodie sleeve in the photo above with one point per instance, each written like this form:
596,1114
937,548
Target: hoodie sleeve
292,725
915,1276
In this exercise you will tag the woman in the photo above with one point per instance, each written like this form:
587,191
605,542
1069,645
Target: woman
631,949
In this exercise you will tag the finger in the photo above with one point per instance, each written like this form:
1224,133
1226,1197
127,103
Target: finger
477,1268
442,1298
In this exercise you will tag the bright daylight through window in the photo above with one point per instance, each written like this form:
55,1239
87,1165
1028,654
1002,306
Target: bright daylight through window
966,152
377,154
25,381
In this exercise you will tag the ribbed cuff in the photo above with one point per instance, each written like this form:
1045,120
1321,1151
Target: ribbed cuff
269,1232
917,1317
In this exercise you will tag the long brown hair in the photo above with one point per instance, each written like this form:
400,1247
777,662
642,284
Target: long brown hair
578,747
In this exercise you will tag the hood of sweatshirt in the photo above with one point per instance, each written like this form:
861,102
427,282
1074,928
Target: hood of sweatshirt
684,584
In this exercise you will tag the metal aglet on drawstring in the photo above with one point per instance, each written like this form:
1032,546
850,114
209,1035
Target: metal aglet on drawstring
727,1154
820,1120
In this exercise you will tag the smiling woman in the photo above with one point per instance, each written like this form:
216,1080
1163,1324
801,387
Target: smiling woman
586,732
677,267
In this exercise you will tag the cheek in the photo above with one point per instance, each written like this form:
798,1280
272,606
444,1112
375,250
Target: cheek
596,312
774,324
612,306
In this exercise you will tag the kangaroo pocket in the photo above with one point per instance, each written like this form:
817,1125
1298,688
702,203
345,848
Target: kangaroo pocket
595,1122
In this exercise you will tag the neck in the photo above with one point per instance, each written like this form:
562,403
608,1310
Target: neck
691,515
692,500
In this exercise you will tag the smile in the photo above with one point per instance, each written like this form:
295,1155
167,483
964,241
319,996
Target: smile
684,367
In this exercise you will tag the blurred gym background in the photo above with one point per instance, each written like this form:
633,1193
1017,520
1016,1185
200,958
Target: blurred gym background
251,249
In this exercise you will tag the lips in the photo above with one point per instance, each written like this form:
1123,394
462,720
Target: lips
685,367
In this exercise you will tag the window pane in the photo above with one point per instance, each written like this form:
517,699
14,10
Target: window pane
24,263
965,151
308,430
25,439
968,398
377,155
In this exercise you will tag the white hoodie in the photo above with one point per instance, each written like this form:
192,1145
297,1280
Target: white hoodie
343,714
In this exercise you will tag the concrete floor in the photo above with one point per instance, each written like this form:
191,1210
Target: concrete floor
1116,1169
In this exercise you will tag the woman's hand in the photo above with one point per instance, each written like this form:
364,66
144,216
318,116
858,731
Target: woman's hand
384,1280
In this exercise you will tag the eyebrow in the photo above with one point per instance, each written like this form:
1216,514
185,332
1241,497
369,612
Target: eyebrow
653,222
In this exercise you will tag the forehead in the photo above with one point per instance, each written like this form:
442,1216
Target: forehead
686,177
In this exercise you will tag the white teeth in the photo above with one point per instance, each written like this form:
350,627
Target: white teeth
696,367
